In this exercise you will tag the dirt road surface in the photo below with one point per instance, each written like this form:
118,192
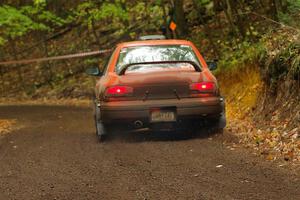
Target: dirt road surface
55,155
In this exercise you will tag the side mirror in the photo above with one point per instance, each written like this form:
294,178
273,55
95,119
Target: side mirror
212,65
93,71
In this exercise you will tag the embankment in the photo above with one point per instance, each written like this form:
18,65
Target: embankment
263,100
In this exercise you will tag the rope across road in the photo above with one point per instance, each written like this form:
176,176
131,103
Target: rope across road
69,56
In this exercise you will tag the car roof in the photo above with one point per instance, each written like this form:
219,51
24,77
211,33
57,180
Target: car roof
154,42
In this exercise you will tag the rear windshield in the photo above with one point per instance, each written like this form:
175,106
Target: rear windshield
143,54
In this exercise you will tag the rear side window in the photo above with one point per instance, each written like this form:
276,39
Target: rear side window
143,54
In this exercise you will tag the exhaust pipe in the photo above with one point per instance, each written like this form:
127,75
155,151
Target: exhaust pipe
138,124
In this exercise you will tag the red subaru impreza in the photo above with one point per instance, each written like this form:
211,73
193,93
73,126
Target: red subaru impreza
157,84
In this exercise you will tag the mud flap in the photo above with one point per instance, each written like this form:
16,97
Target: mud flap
222,120
100,128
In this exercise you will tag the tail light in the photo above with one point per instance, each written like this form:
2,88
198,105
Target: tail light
203,87
118,91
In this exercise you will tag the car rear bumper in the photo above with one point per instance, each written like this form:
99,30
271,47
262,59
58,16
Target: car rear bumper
130,111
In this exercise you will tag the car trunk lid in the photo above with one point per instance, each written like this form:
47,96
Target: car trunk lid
163,85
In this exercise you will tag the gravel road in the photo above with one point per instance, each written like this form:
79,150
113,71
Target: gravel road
54,154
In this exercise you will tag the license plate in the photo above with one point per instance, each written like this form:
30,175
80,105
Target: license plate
163,116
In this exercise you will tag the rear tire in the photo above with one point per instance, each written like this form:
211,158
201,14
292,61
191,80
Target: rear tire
219,124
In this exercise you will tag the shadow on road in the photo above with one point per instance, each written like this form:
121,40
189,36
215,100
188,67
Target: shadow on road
160,136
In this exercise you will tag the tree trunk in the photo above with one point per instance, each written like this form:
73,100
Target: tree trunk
15,55
270,8
206,30
281,5
180,19
236,17
2,74
2,81
228,15
167,30
218,6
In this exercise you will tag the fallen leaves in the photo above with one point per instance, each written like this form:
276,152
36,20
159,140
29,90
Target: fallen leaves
6,126
272,143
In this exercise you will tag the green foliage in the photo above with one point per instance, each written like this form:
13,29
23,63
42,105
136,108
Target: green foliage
241,55
152,16
39,3
2,40
39,13
204,8
111,15
293,6
18,22
295,67
203,2
119,15
286,62
14,23
284,17
91,62
90,12
114,10
288,18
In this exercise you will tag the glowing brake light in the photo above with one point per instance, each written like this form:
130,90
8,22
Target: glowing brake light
118,91
203,87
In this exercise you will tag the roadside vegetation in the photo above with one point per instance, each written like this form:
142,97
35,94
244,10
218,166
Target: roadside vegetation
256,44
